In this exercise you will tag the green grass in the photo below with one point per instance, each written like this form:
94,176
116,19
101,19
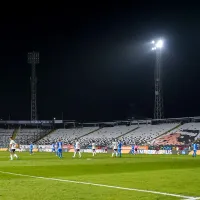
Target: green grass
164,173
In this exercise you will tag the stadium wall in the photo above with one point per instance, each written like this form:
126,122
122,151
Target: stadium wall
125,150
3,149
198,152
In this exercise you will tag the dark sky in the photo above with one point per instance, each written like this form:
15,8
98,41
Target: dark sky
96,63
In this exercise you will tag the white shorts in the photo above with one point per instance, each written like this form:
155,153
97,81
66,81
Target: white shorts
12,150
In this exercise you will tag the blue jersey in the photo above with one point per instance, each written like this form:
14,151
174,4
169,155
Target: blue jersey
194,147
53,146
31,146
120,145
133,147
59,145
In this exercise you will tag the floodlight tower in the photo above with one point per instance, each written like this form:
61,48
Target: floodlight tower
158,106
33,59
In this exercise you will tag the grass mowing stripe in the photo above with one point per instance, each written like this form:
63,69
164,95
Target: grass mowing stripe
107,186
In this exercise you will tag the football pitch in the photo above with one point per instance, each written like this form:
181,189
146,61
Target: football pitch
145,177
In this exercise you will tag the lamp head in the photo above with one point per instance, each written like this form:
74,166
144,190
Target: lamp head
158,44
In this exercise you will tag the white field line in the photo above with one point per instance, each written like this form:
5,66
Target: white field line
107,186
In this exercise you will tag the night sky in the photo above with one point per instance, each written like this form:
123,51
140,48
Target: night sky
96,63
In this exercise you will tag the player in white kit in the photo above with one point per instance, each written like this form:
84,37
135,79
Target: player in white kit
114,144
77,149
12,147
94,149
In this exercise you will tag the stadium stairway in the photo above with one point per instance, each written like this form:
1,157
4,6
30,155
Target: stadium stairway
15,132
45,134
127,133
168,131
90,133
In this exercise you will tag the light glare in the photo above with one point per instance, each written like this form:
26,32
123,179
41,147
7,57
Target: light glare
159,44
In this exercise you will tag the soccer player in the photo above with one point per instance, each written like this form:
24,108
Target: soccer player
194,150
77,149
56,148
59,149
177,149
94,148
114,144
133,149
136,149
106,149
120,149
12,149
31,148
157,150
53,149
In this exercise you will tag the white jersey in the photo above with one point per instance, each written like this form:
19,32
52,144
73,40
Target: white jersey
77,145
114,145
93,146
12,144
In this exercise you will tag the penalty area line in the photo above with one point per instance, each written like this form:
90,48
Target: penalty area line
106,186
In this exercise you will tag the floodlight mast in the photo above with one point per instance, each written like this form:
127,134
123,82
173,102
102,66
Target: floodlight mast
33,59
158,104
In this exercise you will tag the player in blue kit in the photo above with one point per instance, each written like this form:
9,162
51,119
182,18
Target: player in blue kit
133,149
120,149
59,149
56,148
194,150
31,148
53,149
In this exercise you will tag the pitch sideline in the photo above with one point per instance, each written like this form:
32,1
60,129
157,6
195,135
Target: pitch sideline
107,186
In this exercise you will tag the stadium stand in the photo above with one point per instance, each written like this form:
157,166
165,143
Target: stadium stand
67,135
145,133
140,134
5,134
105,136
183,135
26,136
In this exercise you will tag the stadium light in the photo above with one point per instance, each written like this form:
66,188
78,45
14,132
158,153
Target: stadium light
157,44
